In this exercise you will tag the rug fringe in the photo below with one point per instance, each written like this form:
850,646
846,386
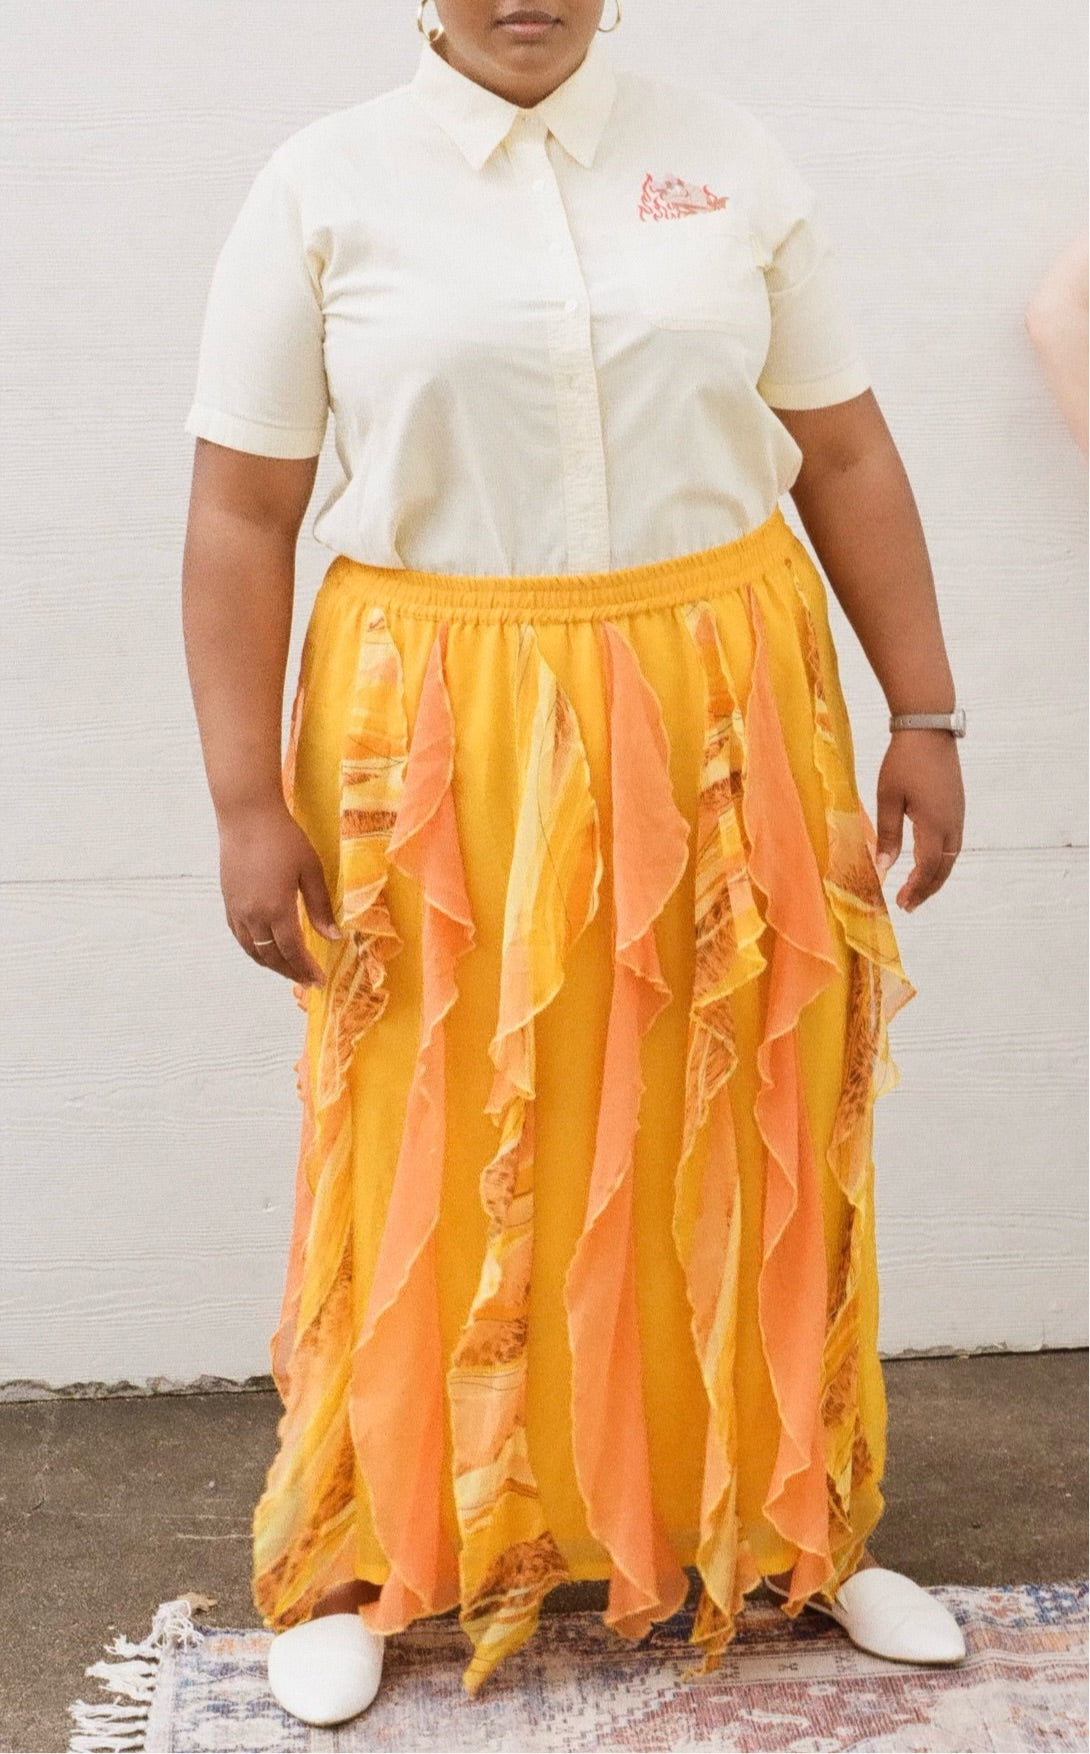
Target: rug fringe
114,1727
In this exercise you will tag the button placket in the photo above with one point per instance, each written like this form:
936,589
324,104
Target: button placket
579,415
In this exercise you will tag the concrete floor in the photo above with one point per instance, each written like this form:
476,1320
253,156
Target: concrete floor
108,1506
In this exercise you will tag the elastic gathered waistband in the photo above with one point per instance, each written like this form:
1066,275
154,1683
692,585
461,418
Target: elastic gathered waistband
568,596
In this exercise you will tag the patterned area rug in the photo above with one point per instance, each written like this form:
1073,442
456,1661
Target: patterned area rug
576,1685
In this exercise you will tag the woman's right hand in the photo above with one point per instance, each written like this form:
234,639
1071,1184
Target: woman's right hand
265,860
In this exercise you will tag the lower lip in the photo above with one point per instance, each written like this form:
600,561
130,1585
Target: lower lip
531,30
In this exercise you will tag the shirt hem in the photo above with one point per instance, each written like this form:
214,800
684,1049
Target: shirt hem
819,392
252,435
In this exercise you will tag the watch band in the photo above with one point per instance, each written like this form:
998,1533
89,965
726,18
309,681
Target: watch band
954,721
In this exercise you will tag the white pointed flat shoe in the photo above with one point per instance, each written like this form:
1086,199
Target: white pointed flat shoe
326,1669
885,1613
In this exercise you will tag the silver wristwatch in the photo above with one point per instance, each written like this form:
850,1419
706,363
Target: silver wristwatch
954,721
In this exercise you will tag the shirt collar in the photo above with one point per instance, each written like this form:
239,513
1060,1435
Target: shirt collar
478,119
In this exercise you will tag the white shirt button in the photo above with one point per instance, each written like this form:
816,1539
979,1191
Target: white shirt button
571,304
538,184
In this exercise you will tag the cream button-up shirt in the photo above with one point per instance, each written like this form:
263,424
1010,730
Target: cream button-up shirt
552,339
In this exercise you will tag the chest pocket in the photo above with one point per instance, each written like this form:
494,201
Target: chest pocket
700,271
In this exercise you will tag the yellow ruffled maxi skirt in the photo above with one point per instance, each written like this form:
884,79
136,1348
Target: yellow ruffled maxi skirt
582,1276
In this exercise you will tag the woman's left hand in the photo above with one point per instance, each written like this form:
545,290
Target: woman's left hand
920,777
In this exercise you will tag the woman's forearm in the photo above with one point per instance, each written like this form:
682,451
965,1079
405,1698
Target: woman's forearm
866,531
238,585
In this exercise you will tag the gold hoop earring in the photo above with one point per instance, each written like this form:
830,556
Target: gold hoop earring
432,35
616,21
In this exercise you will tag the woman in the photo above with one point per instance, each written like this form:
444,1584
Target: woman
594,954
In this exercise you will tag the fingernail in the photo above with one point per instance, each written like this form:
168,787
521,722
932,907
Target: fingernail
883,862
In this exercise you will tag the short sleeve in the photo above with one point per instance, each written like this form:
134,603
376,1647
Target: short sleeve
813,357
261,383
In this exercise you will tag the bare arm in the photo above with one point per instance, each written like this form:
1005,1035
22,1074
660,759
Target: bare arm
1056,321
857,507
238,588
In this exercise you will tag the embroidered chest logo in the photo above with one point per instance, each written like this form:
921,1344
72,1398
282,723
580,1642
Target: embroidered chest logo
673,198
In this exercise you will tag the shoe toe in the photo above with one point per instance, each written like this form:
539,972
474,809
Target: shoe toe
327,1669
929,1637
891,1616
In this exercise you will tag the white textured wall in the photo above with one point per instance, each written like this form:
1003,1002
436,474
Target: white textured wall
150,1116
